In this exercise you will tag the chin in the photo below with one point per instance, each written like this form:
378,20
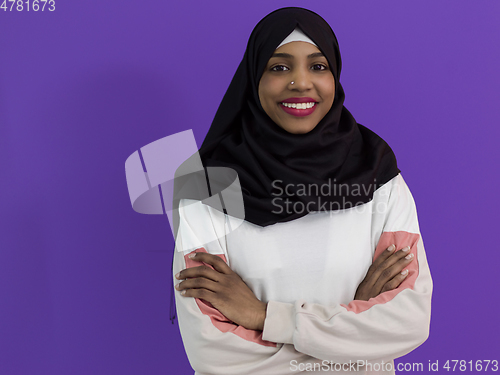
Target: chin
299,129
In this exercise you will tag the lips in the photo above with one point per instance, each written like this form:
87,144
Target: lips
299,107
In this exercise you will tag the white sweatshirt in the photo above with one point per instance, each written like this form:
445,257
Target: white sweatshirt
307,271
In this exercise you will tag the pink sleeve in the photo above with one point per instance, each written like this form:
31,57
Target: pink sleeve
213,344
385,327
219,321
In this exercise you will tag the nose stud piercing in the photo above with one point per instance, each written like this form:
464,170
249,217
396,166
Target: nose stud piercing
292,83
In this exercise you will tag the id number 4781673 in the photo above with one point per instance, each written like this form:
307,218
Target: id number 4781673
28,5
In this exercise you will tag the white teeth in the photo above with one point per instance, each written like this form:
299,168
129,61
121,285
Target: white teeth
299,105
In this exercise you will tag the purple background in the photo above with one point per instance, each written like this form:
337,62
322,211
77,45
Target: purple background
84,280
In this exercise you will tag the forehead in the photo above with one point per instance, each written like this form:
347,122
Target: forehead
298,49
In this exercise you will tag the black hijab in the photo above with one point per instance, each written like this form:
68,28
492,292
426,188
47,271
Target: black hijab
337,165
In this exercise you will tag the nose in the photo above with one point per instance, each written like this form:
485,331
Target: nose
301,80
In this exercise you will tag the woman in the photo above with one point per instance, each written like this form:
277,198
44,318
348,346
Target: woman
327,271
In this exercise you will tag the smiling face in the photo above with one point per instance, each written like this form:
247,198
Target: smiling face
300,106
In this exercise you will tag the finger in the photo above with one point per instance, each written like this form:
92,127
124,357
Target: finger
203,294
201,271
395,281
389,261
198,283
216,262
388,273
380,259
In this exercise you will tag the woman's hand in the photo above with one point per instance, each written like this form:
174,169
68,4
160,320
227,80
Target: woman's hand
385,273
224,289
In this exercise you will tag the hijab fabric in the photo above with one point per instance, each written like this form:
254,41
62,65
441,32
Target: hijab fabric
337,165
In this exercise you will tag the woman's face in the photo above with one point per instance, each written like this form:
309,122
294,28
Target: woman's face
300,106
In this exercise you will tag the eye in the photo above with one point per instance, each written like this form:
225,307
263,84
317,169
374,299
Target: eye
319,67
279,68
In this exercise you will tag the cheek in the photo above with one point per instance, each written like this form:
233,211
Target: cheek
265,96
272,87
328,89
265,89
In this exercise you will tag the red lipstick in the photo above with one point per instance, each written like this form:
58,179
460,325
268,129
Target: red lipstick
301,104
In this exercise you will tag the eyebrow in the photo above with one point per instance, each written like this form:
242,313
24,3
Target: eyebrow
288,56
